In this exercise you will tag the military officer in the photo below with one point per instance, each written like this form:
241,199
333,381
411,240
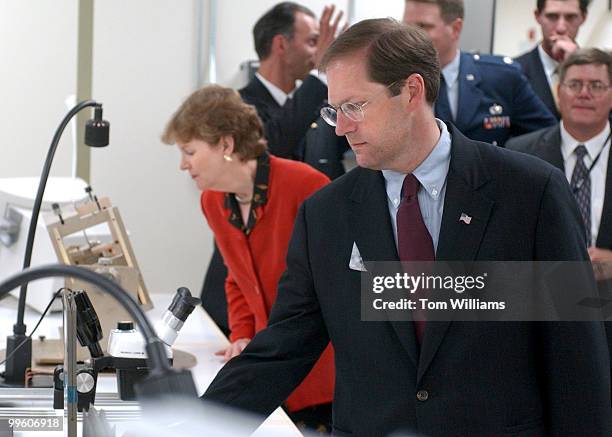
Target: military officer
486,97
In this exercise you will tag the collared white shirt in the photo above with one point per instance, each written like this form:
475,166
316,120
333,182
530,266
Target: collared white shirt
550,66
597,174
279,95
431,174
451,76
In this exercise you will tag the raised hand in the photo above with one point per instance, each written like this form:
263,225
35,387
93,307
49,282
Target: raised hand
563,46
328,30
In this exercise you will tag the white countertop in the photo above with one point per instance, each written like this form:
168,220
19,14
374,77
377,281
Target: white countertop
199,336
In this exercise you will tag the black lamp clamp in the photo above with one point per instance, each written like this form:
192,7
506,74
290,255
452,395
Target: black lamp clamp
162,380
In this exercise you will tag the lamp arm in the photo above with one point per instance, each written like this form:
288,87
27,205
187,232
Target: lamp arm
156,352
19,328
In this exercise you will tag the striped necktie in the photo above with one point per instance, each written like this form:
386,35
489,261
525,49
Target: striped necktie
581,187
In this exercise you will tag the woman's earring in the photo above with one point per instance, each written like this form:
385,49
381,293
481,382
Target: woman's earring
227,158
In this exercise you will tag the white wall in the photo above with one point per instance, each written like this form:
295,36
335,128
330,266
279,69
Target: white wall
144,66
597,30
38,57
477,26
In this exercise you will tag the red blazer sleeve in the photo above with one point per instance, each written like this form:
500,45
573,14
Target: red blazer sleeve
241,319
305,182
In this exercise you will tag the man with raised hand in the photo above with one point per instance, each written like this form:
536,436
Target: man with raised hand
559,21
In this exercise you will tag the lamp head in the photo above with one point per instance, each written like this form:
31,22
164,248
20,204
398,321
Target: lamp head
97,130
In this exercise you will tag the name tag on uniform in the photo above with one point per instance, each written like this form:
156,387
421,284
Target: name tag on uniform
496,122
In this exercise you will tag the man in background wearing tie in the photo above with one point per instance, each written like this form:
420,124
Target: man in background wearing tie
486,97
559,21
422,191
580,147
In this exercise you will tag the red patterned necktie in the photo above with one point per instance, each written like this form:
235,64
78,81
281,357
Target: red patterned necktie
413,239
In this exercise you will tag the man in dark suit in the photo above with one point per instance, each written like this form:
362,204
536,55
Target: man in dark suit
559,21
290,43
486,97
580,147
585,100
462,203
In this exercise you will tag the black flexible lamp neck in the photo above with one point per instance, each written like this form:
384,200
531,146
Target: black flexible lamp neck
157,358
163,380
96,135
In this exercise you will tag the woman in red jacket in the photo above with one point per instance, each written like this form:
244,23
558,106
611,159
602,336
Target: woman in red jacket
250,200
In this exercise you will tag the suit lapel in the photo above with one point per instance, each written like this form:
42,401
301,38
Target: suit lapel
549,148
539,81
262,93
604,235
470,94
373,234
458,241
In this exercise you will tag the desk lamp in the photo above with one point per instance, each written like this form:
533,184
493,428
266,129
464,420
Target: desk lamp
19,345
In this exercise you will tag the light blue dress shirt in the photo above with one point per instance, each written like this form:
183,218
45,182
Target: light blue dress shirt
431,173
451,76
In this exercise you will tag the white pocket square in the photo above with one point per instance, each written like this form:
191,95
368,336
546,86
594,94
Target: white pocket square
356,262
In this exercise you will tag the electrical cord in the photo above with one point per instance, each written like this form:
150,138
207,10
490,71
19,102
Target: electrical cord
35,327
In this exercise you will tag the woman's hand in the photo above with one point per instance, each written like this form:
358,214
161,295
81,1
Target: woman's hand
233,349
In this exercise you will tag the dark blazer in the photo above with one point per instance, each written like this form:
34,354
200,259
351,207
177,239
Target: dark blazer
324,150
472,379
295,130
212,295
488,83
286,125
546,145
532,67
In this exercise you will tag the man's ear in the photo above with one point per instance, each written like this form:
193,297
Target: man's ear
457,26
279,44
413,90
536,15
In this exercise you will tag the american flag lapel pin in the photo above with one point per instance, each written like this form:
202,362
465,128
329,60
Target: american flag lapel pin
465,218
